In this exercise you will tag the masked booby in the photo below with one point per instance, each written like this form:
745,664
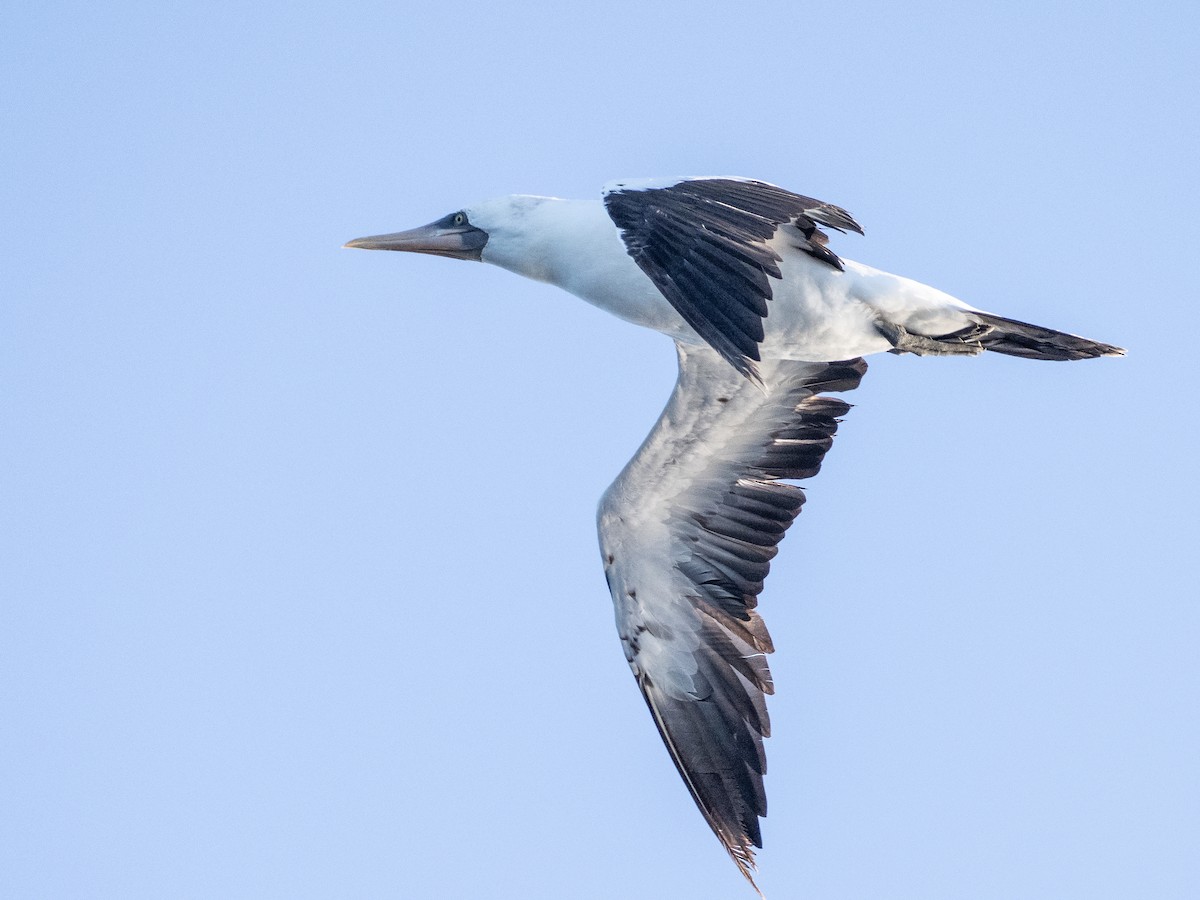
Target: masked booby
767,320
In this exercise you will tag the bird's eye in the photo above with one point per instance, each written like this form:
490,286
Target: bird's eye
459,219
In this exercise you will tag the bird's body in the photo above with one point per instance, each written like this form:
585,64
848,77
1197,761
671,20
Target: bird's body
817,312
766,320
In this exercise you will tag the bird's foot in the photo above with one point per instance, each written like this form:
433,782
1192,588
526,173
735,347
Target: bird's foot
963,343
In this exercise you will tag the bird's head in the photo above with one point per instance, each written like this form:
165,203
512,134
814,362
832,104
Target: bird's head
454,235
508,232
520,233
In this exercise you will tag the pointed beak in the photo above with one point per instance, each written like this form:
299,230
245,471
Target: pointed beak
438,238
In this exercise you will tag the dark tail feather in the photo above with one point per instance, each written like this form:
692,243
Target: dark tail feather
1034,342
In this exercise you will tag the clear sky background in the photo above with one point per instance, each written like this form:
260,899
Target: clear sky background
299,588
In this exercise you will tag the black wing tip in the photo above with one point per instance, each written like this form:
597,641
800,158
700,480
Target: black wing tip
740,843
835,217
743,858
732,815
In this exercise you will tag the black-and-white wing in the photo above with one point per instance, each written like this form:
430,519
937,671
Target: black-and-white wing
687,532
704,244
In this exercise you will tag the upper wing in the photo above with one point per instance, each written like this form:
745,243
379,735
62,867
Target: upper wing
704,244
687,532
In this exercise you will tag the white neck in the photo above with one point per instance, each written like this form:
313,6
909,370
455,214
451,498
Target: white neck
575,245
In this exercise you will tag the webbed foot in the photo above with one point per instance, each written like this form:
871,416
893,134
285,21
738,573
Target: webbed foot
961,343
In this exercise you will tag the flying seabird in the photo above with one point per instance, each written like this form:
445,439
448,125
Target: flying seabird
766,320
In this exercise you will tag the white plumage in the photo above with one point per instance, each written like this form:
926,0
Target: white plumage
766,320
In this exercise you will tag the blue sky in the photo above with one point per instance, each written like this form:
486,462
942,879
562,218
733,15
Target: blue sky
299,591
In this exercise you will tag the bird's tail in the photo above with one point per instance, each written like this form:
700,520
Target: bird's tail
1015,338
